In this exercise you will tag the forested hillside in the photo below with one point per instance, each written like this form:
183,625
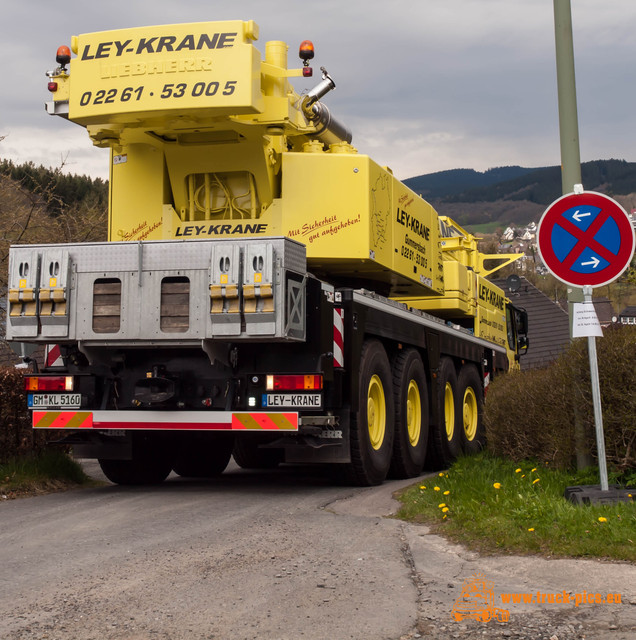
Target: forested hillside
42,205
60,190
515,194
445,184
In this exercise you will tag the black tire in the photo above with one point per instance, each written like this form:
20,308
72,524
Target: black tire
151,462
204,455
411,415
444,442
248,455
372,426
470,401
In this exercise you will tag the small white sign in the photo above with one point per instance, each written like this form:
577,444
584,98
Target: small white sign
585,322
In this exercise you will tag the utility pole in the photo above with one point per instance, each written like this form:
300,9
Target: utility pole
566,86
570,168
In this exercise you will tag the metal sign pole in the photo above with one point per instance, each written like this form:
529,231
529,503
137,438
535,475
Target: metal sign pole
596,399
566,88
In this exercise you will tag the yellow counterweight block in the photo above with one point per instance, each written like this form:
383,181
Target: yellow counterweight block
359,223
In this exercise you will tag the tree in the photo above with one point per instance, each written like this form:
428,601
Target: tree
32,211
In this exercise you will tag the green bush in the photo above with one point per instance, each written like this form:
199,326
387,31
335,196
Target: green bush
531,414
17,437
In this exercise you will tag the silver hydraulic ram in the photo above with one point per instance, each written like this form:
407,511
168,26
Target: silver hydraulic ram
328,129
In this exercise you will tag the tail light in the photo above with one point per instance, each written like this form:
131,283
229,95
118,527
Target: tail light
48,383
294,383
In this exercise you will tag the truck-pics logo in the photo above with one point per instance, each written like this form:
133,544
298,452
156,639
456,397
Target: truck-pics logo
476,601
159,44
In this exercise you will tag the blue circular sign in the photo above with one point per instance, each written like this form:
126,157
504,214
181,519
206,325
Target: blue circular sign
585,239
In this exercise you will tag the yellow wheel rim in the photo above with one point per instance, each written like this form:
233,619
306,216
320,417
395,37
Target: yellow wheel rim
449,411
413,413
376,412
471,414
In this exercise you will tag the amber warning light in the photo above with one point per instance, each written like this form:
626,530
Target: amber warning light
306,53
63,56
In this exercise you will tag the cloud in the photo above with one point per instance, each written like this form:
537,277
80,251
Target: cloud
70,150
426,86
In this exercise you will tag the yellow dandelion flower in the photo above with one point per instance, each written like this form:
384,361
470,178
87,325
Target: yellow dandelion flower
435,488
531,529
518,470
446,493
445,509
441,474
533,470
422,487
535,481
602,519
524,475
445,516
497,485
442,505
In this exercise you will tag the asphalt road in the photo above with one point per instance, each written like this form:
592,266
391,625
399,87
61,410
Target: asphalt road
248,555
269,555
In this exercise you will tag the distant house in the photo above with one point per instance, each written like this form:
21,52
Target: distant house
628,315
604,311
548,324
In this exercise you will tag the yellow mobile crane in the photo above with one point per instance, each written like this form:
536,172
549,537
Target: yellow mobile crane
266,290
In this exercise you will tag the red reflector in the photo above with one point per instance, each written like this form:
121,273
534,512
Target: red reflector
294,383
48,383
52,87
308,72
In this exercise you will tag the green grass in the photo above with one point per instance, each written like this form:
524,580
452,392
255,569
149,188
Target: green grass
51,470
490,506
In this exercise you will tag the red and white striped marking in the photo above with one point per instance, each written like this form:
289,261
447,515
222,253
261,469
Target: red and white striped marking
486,382
53,356
178,420
338,337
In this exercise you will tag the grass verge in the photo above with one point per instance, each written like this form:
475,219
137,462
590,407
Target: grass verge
49,471
494,506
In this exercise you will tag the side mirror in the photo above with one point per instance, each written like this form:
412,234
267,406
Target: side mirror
522,344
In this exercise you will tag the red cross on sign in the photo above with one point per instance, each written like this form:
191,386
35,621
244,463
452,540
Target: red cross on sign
585,239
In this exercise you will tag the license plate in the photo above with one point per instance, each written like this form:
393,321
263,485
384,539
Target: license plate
293,400
55,400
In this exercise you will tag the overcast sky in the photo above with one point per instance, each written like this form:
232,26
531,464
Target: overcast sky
425,85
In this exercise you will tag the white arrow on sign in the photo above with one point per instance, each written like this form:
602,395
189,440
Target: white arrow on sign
594,262
577,216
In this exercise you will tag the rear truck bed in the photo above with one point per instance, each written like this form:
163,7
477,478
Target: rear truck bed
174,355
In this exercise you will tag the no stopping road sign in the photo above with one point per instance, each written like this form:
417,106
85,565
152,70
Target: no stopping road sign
585,239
